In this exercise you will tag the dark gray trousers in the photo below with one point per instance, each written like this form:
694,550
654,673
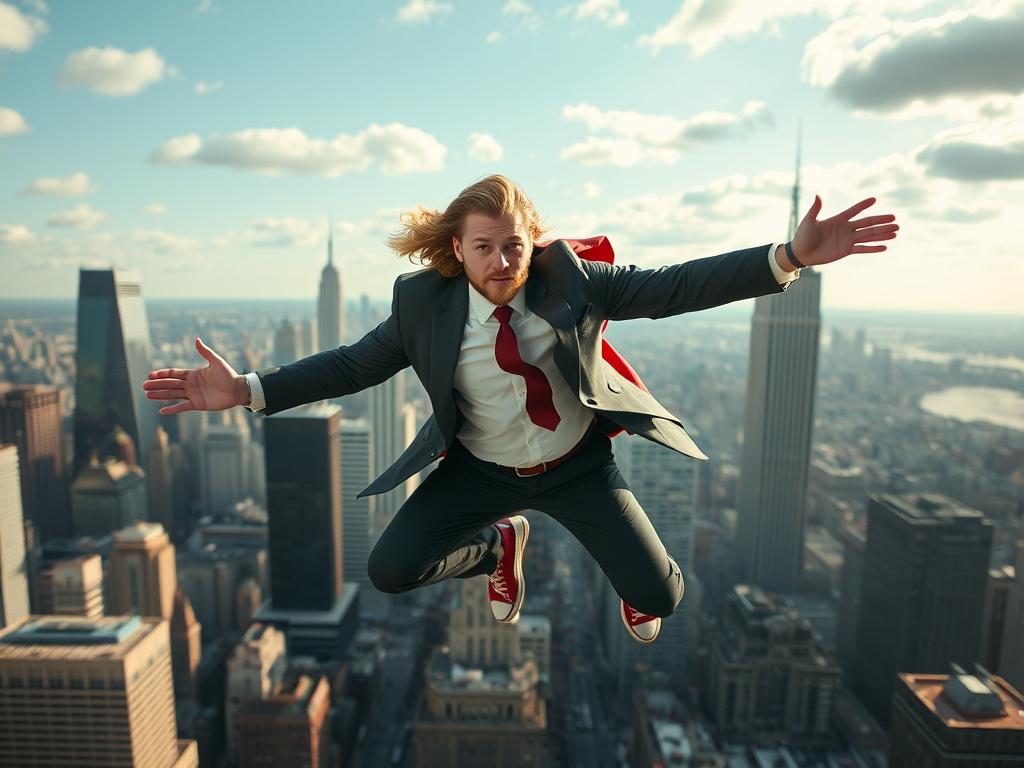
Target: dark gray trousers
444,528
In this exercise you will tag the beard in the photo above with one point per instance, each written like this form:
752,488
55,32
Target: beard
503,292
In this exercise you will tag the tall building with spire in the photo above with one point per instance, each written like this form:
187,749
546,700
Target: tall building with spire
782,370
329,307
111,359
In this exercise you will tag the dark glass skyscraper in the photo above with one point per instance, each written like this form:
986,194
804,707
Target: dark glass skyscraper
925,571
303,457
111,362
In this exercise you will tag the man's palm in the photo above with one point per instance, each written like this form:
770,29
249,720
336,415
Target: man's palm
201,389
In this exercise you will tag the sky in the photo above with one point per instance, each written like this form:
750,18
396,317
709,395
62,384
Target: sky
209,143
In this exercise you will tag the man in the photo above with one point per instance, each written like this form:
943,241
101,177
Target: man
506,338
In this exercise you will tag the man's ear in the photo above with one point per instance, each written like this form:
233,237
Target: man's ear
457,247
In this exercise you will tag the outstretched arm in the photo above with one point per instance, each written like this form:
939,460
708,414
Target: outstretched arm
629,292
376,357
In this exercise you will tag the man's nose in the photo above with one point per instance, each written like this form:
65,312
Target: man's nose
503,259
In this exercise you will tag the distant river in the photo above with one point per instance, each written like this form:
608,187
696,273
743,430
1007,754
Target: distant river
997,406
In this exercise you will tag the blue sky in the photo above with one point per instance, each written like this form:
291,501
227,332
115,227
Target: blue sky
206,143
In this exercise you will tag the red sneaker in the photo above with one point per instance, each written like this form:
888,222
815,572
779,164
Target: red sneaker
505,586
641,626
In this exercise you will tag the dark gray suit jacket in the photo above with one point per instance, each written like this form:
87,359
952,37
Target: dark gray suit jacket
428,316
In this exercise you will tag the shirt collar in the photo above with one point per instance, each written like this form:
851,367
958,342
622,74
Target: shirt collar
483,307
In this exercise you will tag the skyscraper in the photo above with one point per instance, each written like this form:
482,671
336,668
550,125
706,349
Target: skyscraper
142,576
329,305
111,362
13,569
224,462
308,597
159,482
30,418
782,370
356,474
255,670
89,692
925,570
287,342
107,496
388,425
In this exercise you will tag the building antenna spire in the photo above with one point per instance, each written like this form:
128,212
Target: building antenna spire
794,214
330,239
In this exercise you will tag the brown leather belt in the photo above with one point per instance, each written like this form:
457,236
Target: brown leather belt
544,466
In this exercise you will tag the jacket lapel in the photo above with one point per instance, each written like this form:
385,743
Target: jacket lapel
447,328
548,303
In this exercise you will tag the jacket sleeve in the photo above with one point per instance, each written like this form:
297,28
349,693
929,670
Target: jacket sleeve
344,370
627,292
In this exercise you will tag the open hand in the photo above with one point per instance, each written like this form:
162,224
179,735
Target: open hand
213,388
821,242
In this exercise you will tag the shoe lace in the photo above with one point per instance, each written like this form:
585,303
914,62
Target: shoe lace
498,582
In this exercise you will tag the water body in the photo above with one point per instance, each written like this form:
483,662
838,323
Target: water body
1003,407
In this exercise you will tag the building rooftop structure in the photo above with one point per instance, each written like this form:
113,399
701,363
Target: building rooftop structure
964,700
73,638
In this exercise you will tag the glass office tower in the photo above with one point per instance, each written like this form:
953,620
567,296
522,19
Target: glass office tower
112,360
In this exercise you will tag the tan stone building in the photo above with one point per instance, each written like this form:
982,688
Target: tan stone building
89,692
142,575
72,587
481,704
288,729
255,670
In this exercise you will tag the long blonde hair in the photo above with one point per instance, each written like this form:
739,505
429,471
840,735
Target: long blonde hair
426,235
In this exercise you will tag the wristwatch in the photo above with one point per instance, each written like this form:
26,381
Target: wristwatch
248,390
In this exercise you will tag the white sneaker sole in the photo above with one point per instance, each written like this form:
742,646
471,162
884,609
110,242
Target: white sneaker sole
522,530
632,631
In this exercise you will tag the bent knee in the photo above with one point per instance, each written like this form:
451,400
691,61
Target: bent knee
384,573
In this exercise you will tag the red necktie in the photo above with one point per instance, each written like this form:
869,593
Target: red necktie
539,405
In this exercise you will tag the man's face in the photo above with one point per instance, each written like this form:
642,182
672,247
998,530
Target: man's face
495,254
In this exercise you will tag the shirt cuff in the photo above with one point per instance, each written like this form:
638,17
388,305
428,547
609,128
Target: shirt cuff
781,275
258,401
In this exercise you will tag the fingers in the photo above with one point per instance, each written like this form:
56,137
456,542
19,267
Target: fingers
883,232
164,373
165,394
867,248
870,220
854,209
814,210
181,407
205,351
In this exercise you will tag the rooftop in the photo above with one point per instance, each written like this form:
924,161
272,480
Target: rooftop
969,701
73,638
929,507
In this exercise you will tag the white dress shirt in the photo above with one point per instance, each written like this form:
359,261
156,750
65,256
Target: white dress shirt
496,426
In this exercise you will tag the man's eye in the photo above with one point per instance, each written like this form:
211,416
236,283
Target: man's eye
518,245
481,247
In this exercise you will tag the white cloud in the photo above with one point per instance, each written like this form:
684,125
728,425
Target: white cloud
705,24
19,31
590,190
15,234
81,216
607,11
69,186
203,87
284,232
157,209
906,68
645,138
397,148
524,12
11,122
420,11
493,37
112,71
206,6
484,147
976,152
163,243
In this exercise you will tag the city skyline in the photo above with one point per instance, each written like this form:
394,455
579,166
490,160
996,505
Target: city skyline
214,174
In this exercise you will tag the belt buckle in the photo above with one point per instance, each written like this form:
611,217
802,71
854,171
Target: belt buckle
543,469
